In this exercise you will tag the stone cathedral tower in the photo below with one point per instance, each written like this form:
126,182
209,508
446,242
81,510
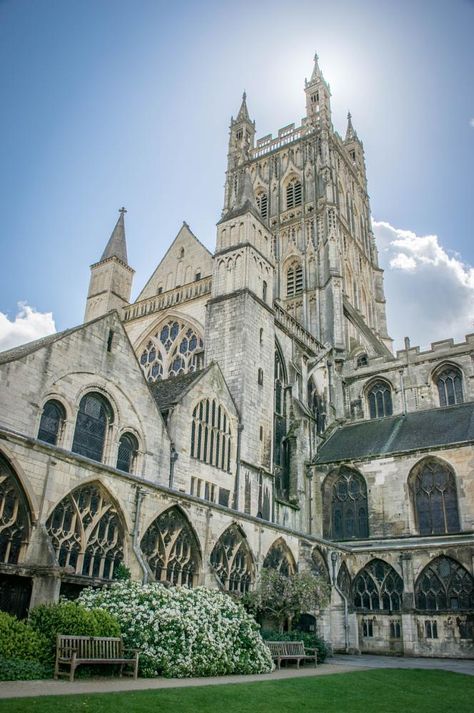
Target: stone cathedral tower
311,192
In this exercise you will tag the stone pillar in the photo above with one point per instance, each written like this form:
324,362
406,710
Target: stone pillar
409,633
45,589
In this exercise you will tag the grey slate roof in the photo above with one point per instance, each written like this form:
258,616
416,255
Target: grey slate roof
432,428
117,246
168,392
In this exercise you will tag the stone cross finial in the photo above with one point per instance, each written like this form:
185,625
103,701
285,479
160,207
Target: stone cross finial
122,210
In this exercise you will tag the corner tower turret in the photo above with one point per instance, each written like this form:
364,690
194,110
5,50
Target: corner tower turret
241,142
318,98
111,279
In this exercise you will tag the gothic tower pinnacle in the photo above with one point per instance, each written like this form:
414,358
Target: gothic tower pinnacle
111,278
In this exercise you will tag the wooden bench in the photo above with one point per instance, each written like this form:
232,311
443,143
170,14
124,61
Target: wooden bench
72,651
291,651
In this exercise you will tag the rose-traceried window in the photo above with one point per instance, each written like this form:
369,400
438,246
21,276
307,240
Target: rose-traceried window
171,351
86,532
444,585
14,516
279,557
377,587
171,549
231,560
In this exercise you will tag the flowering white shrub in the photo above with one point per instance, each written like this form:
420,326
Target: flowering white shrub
183,632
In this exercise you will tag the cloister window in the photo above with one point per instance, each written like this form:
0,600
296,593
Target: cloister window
379,397
171,351
262,204
293,193
52,421
449,383
86,532
93,419
377,587
433,487
171,549
14,516
294,279
318,564
232,562
279,557
127,452
444,585
344,580
348,505
211,438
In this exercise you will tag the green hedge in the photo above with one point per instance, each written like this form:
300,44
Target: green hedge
48,620
18,670
310,640
19,641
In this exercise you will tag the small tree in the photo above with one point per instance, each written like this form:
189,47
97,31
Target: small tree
286,598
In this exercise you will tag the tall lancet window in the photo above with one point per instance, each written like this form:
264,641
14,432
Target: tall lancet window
449,383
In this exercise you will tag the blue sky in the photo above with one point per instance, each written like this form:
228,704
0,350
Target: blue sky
127,102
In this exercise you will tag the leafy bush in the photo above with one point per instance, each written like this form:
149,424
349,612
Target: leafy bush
184,632
70,618
18,670
19,641
310,640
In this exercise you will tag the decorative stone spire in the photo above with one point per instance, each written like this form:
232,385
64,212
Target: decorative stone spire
351,134
243,114
117,246
316,70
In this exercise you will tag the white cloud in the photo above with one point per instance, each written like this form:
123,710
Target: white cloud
27,326
430,292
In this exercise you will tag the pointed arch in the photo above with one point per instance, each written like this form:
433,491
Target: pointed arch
379,398
432,485
171,548
345,507
232,560
293,192
280,557
319,565
87,532
377,586
170,348
293,276
344,580
444,585
15,516
448,378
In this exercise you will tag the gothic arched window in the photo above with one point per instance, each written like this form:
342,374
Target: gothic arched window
316,405
449,383
262,204
51,423
346,497
14,516
379,397
127,452
93,419
433,488
444,584
86,532
171,351
294,279
377,587
293,193
211,438
344,580
279,557
232,561
171,549
319,565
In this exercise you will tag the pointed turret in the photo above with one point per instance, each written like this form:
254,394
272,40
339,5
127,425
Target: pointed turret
318,105
350,132
117,245
354,145
110,284
243,114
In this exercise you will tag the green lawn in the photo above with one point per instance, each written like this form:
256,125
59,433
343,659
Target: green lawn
377,691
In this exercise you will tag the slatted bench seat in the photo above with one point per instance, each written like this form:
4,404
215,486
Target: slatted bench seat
72,651
291,651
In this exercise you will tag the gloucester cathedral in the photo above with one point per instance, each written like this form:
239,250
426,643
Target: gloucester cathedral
247,411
